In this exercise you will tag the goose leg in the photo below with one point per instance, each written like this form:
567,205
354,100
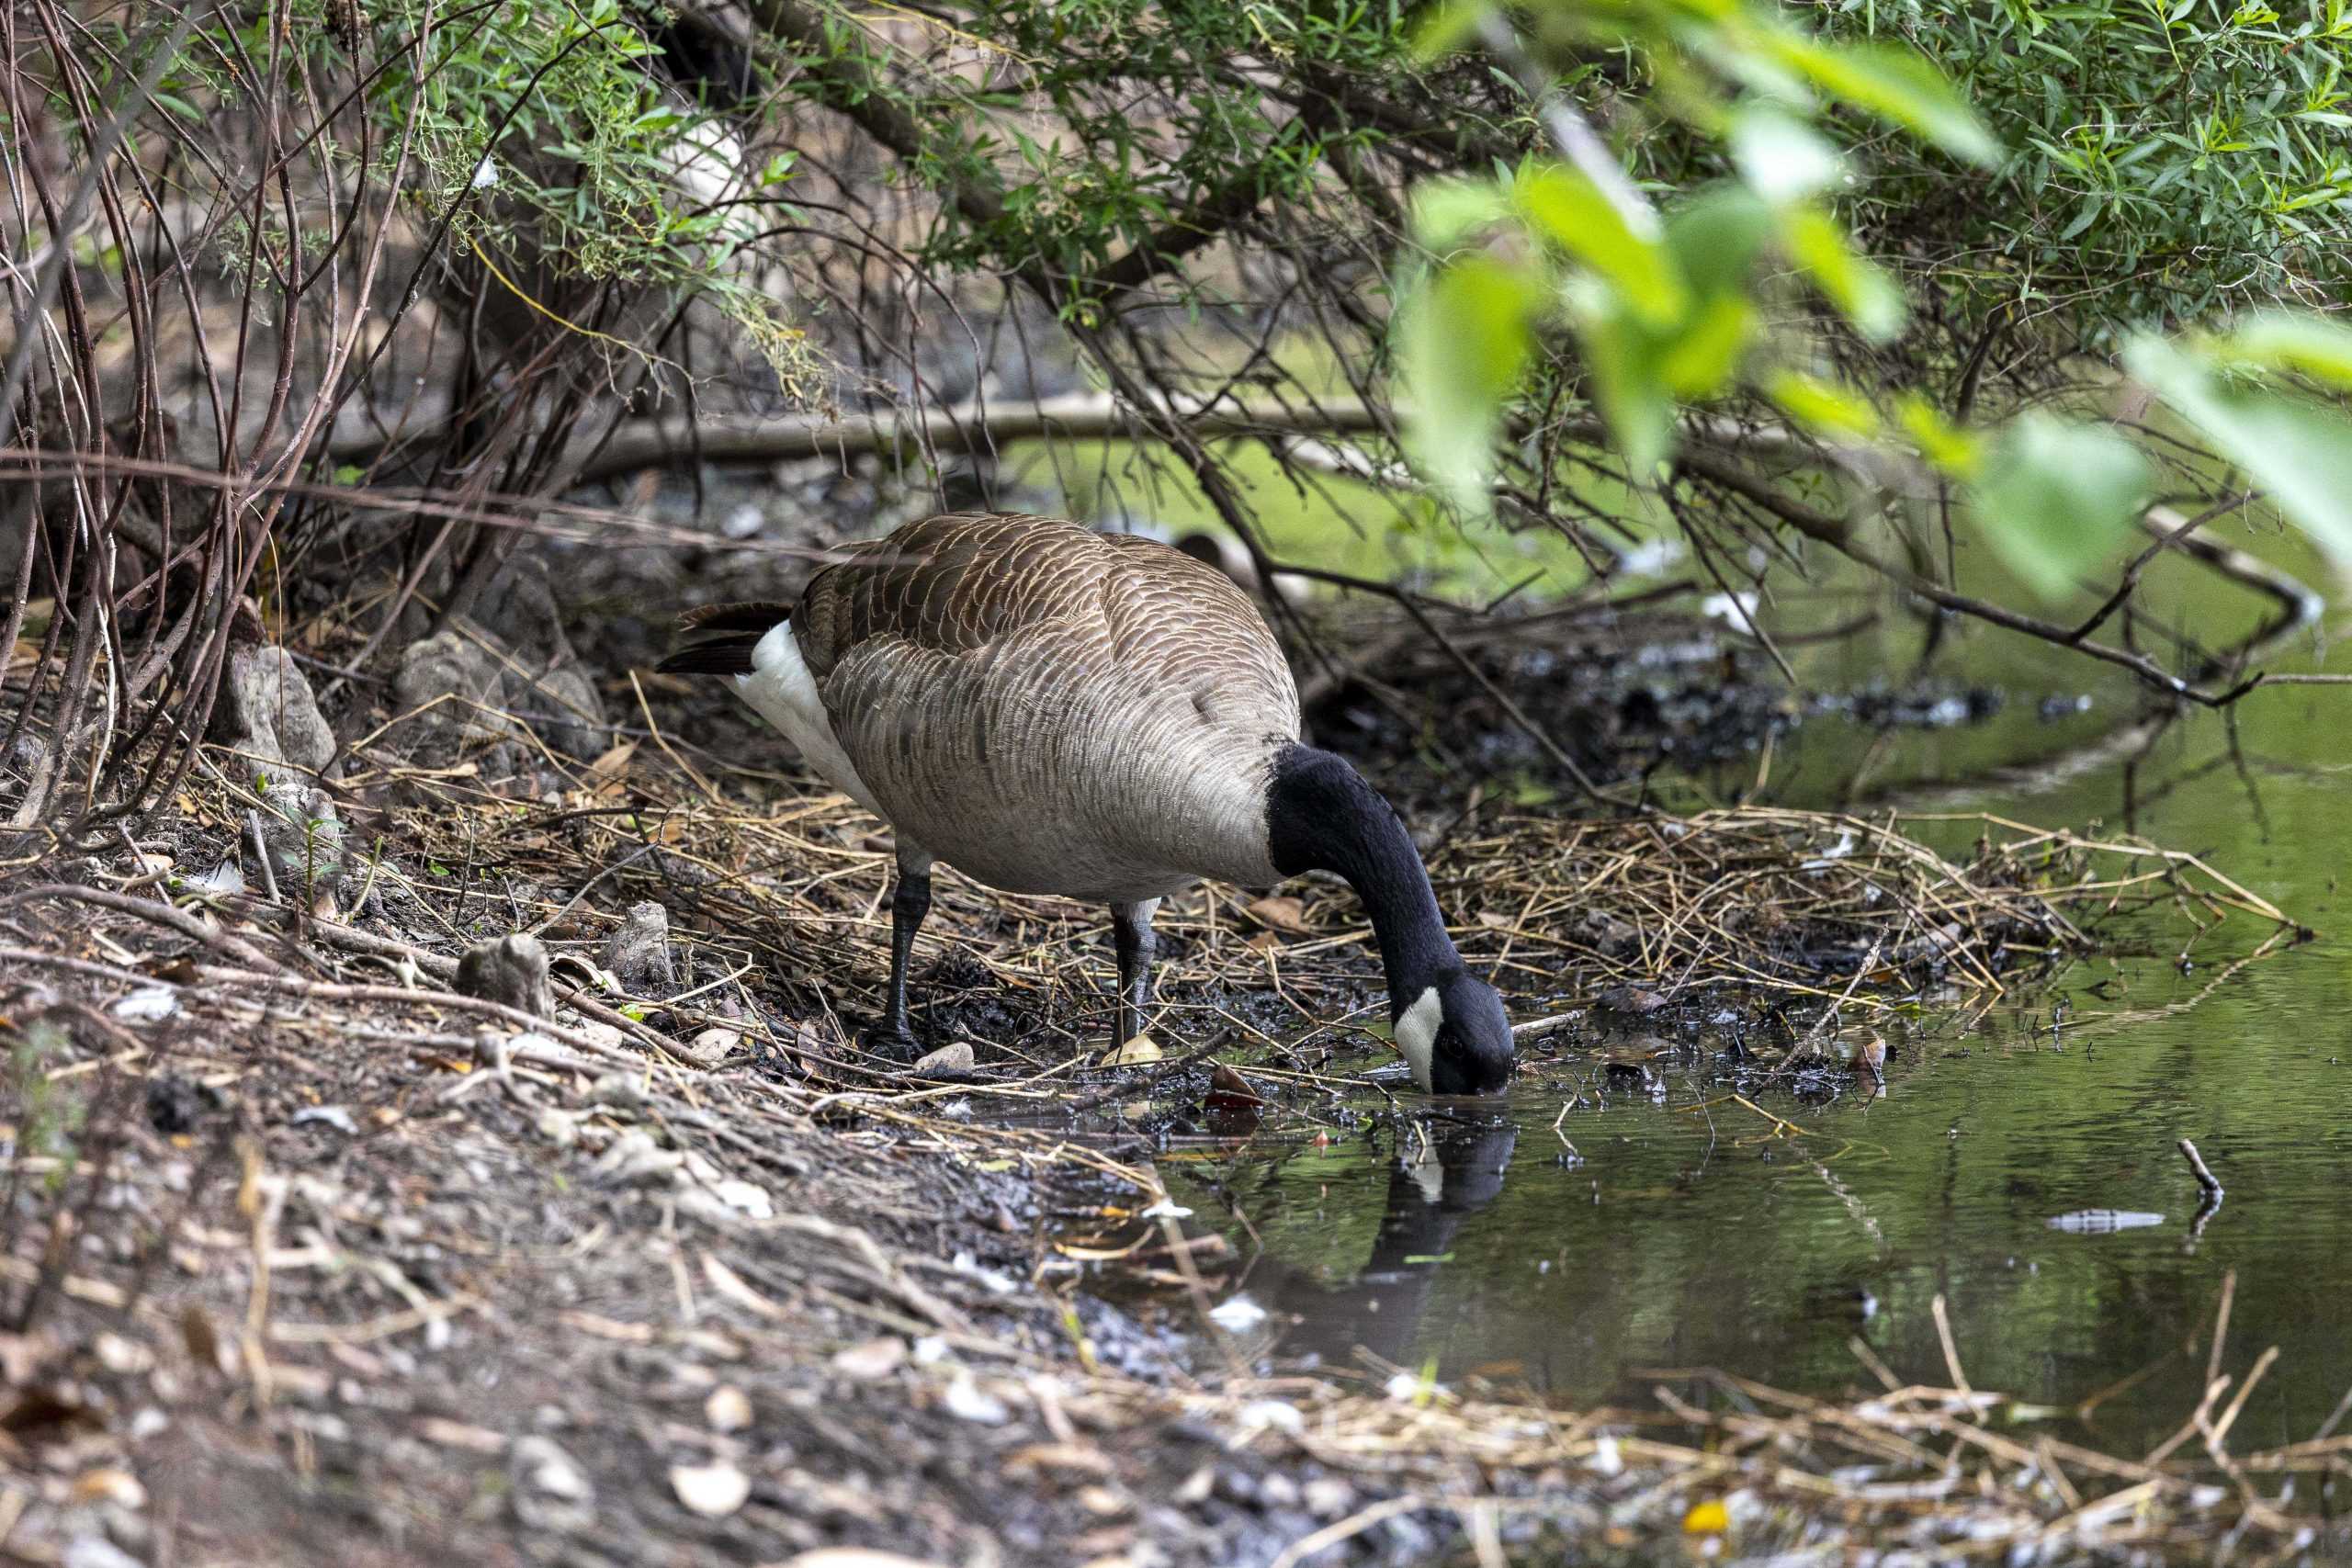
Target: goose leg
909,902
1131,935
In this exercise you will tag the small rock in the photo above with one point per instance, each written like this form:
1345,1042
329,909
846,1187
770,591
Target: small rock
1329,1497
714,1490
1632,1001
451,700
96,1551
267,709
574,722
712,1046
512,970
551,1491
872,1361
727,1409
636,1160
638,954
967,1399
148,1004
24,756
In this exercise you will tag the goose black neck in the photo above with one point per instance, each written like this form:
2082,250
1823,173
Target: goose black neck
1322,816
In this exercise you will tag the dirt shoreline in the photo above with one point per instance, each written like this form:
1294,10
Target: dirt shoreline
318,1261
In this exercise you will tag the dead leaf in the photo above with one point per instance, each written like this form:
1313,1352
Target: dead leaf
1136,1053
948,1058
1280,912
714,1490
613,763
1229,1090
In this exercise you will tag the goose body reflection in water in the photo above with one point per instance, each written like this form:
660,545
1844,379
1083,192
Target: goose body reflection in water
1445,1171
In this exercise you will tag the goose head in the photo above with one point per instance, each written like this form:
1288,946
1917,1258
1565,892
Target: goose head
1456,1037
1450,1025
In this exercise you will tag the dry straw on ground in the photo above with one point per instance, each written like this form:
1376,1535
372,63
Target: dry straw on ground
687,1273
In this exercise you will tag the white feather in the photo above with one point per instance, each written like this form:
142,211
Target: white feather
781,691
1417,1034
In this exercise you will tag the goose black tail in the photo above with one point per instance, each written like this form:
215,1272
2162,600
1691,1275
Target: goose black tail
740,627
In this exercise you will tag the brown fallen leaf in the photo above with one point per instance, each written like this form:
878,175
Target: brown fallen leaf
1280,912
1229,1090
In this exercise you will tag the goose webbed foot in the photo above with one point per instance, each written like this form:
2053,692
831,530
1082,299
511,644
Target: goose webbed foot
893,1041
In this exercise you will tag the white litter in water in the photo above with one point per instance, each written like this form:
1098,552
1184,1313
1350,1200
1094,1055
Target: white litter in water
1166,1209
2099,1222
1238,1314
1271,1414
147,1004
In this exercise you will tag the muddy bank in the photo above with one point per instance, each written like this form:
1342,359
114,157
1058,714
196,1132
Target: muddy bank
330,1241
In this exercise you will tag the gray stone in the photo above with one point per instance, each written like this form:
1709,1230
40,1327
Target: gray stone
452,696
550,1491
574,722
513,970
268,712
638,954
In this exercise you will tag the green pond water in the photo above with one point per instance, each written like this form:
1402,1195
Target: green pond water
1581,1250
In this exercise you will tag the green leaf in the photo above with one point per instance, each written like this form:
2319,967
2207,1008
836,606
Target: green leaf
1465,336
1448,212
1892,82
1700,360
1852,282
2287,340
2058,498
1822,407
1447,27
1629,384
1714,237
1944,444
2297,450
1574,213
1780,157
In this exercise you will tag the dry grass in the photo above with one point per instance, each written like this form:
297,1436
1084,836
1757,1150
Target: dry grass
400,1226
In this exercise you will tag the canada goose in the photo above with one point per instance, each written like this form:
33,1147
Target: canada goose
1099,715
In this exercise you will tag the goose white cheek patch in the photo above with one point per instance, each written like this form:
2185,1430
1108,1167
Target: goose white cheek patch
1417,1034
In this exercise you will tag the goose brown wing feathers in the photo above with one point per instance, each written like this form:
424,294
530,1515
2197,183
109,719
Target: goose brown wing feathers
1053,709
